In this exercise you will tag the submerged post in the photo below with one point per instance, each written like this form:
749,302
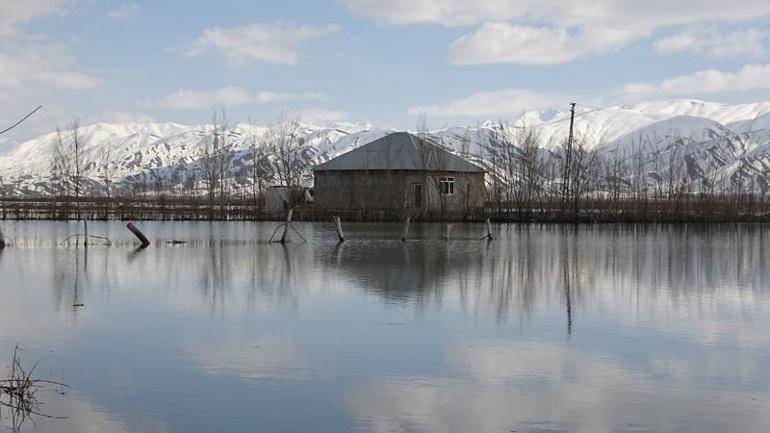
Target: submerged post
286,228
2,239
142,238
446,236
338,223
406,230
85,234
489,230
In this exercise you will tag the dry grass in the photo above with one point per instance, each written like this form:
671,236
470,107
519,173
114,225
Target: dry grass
18,394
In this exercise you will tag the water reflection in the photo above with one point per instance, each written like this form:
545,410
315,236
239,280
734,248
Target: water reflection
547,328
545,386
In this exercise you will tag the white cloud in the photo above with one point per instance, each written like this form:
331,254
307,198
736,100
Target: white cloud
126,12
226,96
715,44
565,13
274,43
34,71
546,386
124,117
553,31
14,12
37,74
47,66
508,101
322,116
506,43
749,77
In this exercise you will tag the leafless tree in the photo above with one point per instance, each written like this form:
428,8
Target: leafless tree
214,160
286,148
68,163
106,174
504,139
261,169
530,167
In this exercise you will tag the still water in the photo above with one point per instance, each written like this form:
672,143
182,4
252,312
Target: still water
606,328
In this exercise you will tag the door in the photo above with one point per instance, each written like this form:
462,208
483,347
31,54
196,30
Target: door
418,195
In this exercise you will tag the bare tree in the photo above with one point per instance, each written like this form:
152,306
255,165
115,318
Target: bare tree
504,140
213,161
68,163
106,169
261,170
583,171
530,167
286,148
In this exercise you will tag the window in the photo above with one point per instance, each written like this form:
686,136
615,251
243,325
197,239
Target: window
447,185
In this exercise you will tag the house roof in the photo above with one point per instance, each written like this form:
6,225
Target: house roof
399,151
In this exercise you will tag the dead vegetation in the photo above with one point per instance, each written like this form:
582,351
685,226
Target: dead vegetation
19,402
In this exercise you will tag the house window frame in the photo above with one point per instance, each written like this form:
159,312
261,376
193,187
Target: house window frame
447,185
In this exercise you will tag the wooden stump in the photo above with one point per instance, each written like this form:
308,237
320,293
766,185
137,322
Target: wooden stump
338,223
138,233
406,230
288,225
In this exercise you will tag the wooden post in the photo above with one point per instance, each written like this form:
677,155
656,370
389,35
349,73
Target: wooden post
446,237
339,229
406,230
85,234
142,238
489,230
2,239
286,228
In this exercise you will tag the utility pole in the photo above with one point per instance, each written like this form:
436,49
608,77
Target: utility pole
568,155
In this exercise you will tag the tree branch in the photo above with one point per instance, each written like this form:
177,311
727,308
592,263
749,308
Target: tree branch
22,120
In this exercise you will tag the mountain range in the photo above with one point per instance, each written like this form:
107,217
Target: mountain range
711,140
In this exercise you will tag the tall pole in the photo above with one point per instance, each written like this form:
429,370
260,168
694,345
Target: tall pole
568,154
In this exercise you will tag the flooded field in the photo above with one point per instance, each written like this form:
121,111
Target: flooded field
604,328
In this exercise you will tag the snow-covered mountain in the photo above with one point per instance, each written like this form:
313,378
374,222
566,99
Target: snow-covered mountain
711,139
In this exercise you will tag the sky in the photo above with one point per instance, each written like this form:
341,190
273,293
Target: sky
388,62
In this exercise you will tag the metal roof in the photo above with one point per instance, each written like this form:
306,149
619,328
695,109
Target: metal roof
399,151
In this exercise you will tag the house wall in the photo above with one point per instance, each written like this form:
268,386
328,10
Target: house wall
394,190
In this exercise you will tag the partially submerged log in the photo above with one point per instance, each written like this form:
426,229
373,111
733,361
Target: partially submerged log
138,233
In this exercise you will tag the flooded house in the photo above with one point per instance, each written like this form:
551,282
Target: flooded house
400,172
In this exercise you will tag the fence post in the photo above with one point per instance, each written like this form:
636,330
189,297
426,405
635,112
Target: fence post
339,229
406,230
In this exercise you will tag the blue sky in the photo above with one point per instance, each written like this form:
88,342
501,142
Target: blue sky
382,61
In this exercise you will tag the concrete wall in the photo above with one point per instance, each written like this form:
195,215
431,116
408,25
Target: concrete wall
394,190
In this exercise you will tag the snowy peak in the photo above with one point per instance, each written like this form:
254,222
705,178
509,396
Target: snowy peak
133,153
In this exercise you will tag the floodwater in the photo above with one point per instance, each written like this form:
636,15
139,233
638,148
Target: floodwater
604,328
